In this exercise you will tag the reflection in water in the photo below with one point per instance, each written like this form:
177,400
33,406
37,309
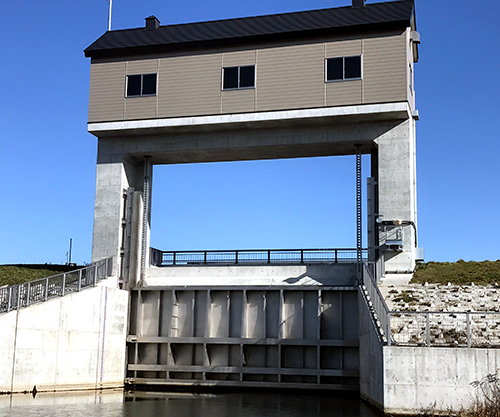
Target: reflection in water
119,404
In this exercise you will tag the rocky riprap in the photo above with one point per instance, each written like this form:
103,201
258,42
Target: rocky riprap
448,324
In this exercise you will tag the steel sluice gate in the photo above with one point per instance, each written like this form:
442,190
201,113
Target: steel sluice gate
290,336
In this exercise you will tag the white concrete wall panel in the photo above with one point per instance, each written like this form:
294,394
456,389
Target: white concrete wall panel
7,349
59,343
339,274
417,378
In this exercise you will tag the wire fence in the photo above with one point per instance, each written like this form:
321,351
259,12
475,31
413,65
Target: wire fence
256,257
43,289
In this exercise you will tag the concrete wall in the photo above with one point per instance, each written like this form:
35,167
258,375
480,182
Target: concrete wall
272,275
58,344
417,378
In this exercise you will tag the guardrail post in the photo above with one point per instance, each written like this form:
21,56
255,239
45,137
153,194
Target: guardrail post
173,258
95,275
302,256
46,288
10,299
236,257
268,256
336,256
80,280
28,294
205,257
389,334
469,341
427,329
63,285
18,295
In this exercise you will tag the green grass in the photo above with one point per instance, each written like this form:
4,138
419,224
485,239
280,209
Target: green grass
461,272
10,275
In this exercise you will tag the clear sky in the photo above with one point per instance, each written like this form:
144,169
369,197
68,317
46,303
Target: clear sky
48,158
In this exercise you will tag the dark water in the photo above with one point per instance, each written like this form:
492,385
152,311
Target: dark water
118,404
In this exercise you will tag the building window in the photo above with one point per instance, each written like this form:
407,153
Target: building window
234,78
141,85
343,68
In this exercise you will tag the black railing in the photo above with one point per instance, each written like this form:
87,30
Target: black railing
253,256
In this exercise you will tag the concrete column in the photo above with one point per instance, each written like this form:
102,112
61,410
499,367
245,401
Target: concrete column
115,173
397,196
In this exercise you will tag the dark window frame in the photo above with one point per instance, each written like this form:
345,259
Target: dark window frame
141,88
238,81
344,78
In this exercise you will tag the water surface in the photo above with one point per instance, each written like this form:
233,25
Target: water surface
120,404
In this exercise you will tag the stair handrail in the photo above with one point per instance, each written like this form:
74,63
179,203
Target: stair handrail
21,295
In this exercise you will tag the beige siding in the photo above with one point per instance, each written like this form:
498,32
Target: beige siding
384,69
145,66
344,93
107,92
238,101
409,58
189,85
232,59
290,77
140,108
343,48
287,77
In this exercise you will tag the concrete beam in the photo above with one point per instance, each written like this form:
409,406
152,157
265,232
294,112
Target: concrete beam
359,113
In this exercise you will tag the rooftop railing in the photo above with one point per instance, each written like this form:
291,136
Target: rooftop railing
255,257
43,289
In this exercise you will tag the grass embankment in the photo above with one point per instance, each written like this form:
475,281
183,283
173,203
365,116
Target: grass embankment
461,273
10,275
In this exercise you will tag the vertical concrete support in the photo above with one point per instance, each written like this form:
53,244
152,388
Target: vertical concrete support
397,197
115,174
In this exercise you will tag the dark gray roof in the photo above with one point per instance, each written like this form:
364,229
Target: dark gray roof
388,15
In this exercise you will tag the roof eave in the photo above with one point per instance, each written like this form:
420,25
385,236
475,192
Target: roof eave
173,47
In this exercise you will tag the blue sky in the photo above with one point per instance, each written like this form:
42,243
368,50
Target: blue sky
48,158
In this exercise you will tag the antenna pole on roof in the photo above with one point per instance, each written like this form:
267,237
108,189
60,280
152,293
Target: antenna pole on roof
109,14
